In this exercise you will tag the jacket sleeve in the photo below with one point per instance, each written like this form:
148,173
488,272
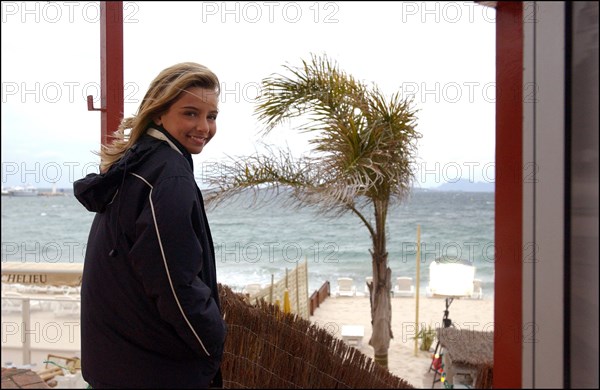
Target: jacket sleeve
169,258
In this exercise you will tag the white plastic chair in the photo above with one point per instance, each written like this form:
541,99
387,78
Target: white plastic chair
345,287
477,289
404,287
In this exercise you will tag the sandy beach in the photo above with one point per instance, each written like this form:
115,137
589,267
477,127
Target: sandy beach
471,314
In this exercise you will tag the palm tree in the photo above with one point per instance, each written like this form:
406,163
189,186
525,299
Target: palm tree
364,147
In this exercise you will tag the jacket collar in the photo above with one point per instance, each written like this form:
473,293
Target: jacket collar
159,132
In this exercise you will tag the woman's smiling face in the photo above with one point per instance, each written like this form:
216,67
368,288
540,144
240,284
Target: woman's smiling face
192,118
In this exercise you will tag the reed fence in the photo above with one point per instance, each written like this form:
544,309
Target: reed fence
267,348
296,283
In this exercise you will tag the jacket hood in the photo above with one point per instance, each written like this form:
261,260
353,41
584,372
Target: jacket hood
96,191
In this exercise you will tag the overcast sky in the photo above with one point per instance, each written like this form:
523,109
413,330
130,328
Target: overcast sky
441,53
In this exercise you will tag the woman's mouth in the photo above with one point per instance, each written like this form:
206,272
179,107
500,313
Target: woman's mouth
200,141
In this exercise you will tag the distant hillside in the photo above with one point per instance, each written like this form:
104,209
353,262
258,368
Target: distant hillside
466,186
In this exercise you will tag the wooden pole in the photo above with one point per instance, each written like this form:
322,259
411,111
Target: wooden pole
271,289
306,281
418,282
297,289
111,68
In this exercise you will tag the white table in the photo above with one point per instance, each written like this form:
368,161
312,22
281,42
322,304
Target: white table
353,334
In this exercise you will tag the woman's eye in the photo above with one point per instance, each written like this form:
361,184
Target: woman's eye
191,113
213,117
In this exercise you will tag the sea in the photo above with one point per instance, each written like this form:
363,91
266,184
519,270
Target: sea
260,238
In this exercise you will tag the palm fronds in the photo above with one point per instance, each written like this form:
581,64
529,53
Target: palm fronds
363,144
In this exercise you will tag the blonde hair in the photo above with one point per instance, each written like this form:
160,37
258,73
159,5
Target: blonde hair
162,93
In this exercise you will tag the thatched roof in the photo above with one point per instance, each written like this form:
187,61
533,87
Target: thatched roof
472,349
468,347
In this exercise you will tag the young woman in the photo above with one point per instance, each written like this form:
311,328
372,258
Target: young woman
150,313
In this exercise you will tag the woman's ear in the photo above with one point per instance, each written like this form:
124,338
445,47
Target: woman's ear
157,121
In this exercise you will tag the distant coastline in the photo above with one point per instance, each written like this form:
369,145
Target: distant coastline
20,192
464,185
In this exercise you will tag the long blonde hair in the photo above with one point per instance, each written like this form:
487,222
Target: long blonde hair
163,92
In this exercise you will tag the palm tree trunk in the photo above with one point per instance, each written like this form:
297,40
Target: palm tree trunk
381,305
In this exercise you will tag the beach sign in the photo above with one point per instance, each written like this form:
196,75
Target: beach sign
67,274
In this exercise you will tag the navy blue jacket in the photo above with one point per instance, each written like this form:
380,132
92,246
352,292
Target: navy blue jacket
150,315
